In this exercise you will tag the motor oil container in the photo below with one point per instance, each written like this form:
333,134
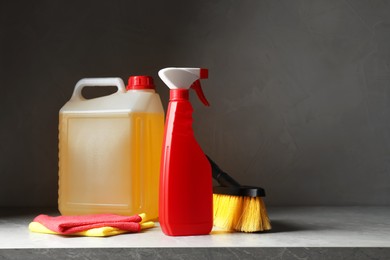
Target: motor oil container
110,149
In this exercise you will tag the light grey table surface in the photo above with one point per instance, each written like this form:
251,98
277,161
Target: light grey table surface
292,227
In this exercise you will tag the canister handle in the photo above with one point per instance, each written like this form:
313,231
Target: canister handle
97,82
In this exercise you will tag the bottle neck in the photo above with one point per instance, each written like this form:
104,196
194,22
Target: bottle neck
178,94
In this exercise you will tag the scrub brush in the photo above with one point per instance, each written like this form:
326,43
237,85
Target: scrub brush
236,207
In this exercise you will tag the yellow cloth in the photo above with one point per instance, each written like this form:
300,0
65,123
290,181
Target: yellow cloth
94,232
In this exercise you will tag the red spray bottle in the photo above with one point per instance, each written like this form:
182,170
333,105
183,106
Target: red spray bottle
185,195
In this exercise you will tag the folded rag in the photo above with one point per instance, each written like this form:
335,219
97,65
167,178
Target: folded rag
89,225
94,232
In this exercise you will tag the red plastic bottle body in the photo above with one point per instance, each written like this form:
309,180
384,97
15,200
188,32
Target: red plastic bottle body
186,198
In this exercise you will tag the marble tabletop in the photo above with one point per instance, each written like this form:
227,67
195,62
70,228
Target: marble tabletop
298,233
292,227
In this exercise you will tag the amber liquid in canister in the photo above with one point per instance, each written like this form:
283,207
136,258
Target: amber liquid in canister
109,163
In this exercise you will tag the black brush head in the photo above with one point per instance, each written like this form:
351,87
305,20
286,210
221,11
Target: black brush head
246,191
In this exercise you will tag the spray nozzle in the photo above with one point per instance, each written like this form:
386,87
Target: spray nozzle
185,78
198,89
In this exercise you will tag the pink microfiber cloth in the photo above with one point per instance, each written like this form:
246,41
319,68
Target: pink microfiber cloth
73,224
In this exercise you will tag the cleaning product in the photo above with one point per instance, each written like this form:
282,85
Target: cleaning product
237,207
110,149
186,199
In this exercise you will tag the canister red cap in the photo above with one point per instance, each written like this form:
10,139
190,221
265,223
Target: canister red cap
140,82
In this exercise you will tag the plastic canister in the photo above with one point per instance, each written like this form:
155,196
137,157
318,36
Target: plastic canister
110,149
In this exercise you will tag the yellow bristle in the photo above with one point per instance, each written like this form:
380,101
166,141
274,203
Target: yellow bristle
264,216
225,209
238,213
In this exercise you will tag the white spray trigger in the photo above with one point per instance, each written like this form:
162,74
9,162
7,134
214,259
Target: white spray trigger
185,78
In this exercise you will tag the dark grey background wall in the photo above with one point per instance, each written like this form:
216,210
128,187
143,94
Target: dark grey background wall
299,89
